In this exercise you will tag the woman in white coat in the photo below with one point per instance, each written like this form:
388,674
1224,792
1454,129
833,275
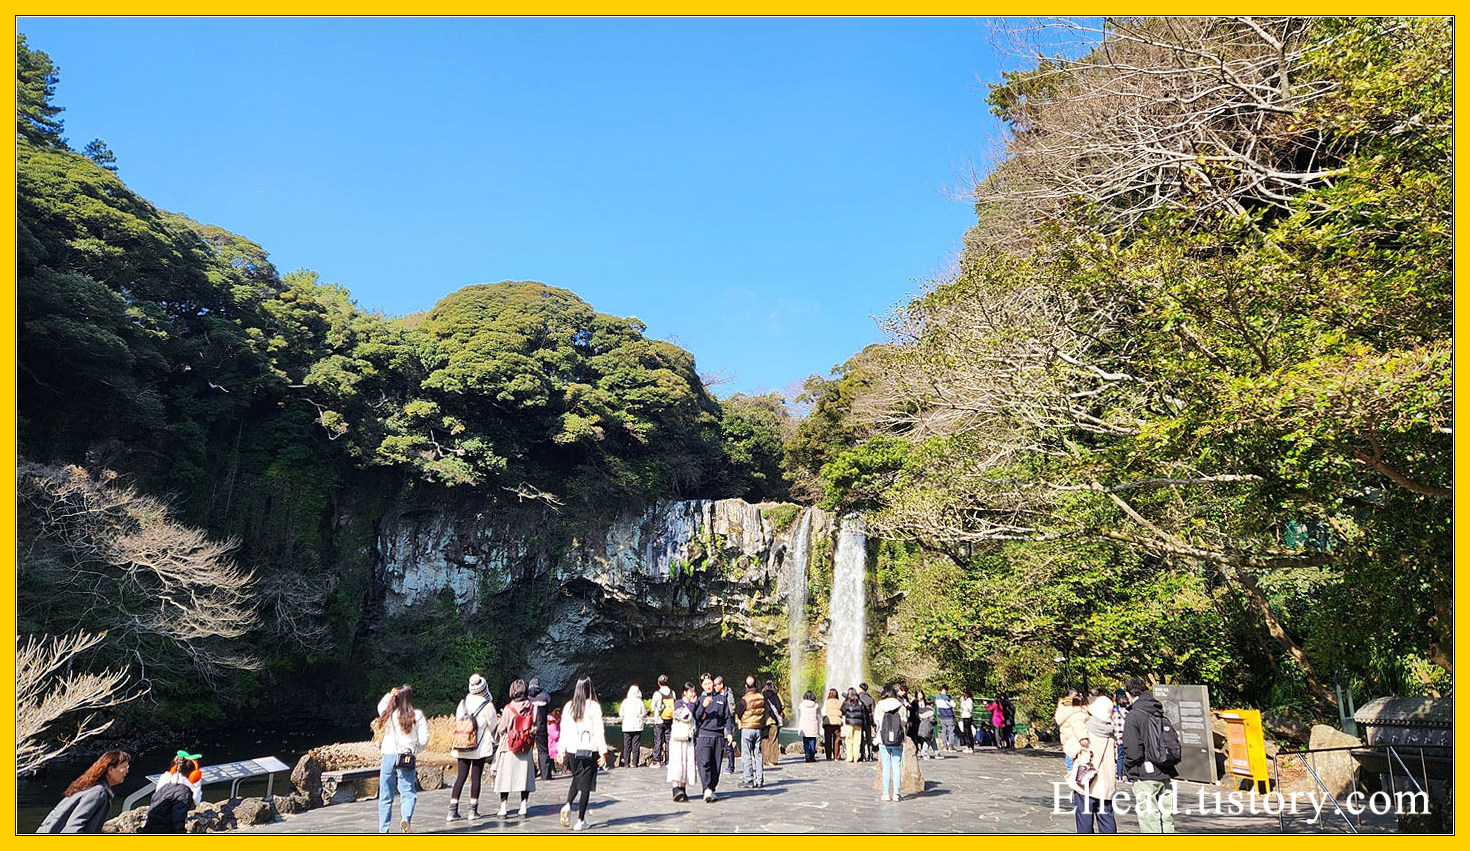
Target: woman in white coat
514,772
1090,741
479,706
405,733
633,714
683,770
584,746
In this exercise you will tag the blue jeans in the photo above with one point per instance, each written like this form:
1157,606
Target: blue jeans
750,754
809,745
388,776
890,759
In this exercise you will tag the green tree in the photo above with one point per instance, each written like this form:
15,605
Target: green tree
36,118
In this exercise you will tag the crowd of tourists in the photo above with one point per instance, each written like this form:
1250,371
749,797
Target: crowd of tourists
698,730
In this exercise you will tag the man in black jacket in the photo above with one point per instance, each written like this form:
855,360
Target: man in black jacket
867,752
541,706
1153,785
711,713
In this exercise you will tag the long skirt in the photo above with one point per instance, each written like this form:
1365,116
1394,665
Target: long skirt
771,745
682,768
514,772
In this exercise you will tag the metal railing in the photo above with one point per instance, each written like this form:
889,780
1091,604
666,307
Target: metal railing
1390,755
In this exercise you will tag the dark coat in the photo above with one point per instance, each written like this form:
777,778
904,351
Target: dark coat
711,714
169,810
1144,708
83,812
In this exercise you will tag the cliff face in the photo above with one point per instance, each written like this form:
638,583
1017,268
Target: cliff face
678,587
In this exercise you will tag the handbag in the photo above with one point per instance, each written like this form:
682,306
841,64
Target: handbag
1083,773
587,752
407,761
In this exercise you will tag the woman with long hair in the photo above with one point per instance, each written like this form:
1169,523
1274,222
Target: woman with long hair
890,756
854,720
88,799
478,706
582,738
831,723
683,769
967,721
405,733
633,714
515,772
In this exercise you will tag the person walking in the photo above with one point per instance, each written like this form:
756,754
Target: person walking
682,766
662,712
632,712
967,721
944,709
88,800
476,710
177,791
866,750
809,724
711,714
405,733
892,720
750,709
1153,782
541,705
998,722
928,729
553,733
1093,748
582,737
854,718
515,770
1070,704
1120,721
775,719
831,723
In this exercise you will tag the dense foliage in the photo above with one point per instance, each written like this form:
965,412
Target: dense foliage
271,411
1186,407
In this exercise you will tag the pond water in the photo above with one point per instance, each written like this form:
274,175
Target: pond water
286,741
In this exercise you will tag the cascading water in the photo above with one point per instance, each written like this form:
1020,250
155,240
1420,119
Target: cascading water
848,607
801,554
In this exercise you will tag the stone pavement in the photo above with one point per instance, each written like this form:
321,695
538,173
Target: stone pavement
987,792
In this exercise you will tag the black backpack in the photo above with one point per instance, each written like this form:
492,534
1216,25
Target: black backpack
1161,743
890,731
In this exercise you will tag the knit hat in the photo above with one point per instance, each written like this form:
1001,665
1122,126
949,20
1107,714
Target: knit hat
477,684
1101,708
533,684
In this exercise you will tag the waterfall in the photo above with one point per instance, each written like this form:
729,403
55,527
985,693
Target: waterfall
801,555
848,607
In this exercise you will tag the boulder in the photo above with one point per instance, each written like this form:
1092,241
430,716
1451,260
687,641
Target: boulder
911,780
345,792
307,778
128,822
292,804
430,777
793,748
253,811
1285,725
1337,770
211,818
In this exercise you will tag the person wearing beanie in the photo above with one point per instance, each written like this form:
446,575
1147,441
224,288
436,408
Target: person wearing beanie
478,705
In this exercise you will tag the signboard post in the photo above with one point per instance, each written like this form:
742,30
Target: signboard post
1247,746
233,772
1188,709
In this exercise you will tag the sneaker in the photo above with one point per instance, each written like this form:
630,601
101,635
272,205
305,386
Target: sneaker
523,809
501,814
566,815
454,813
474,812
886,797
897,797
580,825
404,826
709,796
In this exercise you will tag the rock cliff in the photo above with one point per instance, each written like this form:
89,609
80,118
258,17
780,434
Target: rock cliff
675,587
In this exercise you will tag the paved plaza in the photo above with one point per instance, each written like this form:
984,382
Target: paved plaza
988,792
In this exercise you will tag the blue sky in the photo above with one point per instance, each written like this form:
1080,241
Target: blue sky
754,189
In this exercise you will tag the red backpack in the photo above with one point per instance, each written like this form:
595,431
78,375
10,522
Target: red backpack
521,734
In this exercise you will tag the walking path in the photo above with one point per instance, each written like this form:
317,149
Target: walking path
988,792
